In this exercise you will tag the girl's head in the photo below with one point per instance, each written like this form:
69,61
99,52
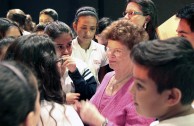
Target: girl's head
85,23
48,15
4,44
38,52
19,95
9,29
62,36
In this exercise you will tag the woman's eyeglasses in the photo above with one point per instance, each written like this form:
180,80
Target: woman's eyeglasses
129,13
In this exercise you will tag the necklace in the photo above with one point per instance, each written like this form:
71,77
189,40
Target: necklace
114,83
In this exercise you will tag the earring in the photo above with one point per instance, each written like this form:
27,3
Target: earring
145,25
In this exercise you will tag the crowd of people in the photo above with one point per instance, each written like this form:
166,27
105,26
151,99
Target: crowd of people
100,72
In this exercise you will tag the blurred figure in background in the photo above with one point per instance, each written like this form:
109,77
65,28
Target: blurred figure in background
39,29
29,24
9,29
48,15
102,24
4,44
19,17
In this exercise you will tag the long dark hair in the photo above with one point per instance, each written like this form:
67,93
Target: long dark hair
85,11
38,52
149,8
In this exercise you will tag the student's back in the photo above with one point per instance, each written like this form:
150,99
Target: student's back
38,52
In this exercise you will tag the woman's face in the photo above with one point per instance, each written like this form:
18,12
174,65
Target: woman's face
135,14
63,44
85,28
13,31
118,55
45,19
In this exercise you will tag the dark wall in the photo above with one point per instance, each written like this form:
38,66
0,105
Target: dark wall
67,8
167,8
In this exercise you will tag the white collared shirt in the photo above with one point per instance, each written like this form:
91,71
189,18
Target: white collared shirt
95,57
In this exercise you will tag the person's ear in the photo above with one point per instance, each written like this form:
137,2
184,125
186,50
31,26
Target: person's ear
29,119
148,18
174,97
74,26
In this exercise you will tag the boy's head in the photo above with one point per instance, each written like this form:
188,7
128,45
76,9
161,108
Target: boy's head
163,76
186,24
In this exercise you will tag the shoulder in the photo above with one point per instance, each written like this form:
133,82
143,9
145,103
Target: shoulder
80,63
81,66
98,46
47,106
75,43
109,74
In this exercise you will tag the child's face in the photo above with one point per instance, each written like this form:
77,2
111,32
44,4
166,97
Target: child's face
63,44
13,32
147,100
86,28
45,19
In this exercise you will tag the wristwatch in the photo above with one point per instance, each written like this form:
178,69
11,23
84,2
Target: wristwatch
105,122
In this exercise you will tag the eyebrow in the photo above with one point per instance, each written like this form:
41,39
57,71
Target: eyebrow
139,79
87,26
182,32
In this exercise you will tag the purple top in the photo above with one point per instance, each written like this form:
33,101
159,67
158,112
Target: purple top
119,109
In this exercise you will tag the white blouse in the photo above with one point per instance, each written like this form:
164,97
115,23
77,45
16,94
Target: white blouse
60,115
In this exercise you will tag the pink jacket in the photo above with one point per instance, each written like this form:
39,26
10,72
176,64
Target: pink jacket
118,109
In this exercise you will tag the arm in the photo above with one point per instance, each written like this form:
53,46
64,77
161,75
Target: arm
85,84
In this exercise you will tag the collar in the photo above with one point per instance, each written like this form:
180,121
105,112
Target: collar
93,44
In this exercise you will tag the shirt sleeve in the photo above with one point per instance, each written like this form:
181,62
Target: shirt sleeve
85,84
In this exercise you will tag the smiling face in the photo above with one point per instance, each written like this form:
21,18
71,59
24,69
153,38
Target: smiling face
85,28
184,30
147,100
137,19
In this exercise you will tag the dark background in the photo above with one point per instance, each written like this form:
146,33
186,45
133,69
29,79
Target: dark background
106,8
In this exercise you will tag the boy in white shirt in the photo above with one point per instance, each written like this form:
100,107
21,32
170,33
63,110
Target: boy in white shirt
164,81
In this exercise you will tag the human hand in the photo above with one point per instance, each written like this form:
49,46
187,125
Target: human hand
89,113
71,98
69,62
